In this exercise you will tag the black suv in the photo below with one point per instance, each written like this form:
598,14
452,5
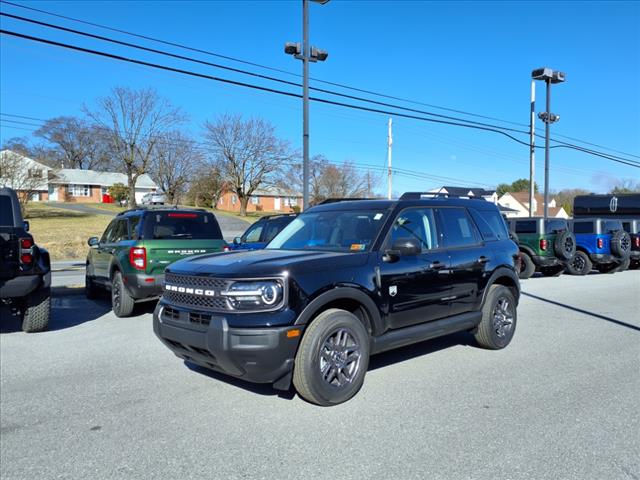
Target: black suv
25,268
341,282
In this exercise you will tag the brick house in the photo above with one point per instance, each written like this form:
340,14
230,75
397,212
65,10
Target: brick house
519,201
269,199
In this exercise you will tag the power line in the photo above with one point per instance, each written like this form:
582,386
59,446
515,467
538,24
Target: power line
494,129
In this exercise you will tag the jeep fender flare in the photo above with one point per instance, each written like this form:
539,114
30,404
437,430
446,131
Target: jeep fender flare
344,293
503,276
528,250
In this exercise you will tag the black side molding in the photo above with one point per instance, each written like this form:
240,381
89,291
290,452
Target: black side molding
425,331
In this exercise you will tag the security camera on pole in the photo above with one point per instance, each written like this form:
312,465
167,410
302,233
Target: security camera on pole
549,76
307,54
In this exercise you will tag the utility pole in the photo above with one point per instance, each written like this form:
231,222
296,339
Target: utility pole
532,149
547,125
389,144
305,104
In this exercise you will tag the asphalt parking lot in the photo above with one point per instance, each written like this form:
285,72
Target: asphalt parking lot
100,397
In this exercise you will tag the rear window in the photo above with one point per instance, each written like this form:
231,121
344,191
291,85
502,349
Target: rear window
526,226
179,225
556,226
6,212
610,226
583,227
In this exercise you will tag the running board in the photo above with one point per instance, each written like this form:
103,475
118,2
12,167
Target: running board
424,331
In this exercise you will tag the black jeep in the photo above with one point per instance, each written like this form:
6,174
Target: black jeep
25,268
342,281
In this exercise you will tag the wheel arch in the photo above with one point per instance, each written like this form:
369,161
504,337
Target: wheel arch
345,298
506,277
526,249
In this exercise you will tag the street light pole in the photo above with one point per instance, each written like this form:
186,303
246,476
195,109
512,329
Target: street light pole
547,125
305,104
532,149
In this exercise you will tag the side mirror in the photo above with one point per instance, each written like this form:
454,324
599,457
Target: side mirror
25,225
403,247
93,241
237,241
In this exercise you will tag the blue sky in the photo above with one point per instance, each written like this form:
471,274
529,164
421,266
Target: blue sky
471,56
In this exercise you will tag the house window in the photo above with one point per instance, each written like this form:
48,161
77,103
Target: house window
104,190
34,173
293,201
255,200
234,199
80,190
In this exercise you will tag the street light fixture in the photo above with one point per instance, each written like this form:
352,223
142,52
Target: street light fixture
550,77
307,54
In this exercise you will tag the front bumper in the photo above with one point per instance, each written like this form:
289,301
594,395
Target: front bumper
260,355
143,286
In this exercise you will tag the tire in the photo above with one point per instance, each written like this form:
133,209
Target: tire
608,268
121,302
580,264
37,311
621,244
624,265
528,268
634,265
564,245
552,271
499,318
91,290
317,360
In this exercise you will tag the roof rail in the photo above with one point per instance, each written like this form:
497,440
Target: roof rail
348,199
420,195
161,207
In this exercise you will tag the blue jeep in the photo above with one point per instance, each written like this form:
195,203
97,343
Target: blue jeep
260,233
601,243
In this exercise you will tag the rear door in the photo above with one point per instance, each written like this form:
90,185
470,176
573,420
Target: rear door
169,236
416,288
469,257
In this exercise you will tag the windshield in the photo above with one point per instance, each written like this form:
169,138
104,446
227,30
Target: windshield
338,231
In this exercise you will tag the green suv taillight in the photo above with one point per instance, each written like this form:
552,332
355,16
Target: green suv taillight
543,244
138,258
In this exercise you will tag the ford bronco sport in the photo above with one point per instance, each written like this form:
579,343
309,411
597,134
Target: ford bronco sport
130,258
544,248
25,268
601,243
341,282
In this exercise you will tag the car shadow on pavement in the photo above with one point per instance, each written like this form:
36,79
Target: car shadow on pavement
419,349
259,388
585,312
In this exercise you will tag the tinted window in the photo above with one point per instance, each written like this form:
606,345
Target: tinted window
555,226
583,227
611,226
418,224
491,224
118,232
252,235
6,212
274,227
459,231
107,232
626,226
172,225
336,230
134,232
526,226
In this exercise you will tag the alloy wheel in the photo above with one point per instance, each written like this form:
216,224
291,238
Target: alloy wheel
340,357
502,317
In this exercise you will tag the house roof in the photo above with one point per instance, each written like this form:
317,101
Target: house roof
276,192
26,164
91,177
523,197
465,191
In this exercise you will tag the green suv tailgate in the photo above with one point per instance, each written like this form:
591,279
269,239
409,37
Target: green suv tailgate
161,253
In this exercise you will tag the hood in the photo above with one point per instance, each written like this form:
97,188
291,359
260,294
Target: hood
255,263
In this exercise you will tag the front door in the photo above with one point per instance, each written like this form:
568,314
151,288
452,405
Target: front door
416,288
276,203
53,193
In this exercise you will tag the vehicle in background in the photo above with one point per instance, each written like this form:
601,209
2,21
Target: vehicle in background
601,243
25,268
619,205
632,227
133,252
546,248
153,198
261,232
342,281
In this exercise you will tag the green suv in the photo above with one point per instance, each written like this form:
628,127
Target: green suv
543,248
133,252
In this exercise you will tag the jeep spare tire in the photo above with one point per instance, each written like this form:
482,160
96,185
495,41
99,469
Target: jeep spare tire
621,244
565,245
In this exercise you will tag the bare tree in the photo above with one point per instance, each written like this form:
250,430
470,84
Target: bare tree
249,152
208,185
134,121
39,153
78,143
176,158
15,174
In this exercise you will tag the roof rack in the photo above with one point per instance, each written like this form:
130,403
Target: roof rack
421,195
161,207
348,199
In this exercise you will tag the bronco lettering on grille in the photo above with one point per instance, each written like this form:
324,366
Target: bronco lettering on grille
190,291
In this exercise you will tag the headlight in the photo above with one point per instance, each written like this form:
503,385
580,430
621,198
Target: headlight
255,295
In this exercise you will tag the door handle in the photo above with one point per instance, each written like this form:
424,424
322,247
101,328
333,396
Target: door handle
437,265
483,259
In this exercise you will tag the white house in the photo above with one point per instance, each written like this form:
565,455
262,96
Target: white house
24,175
519,201
488,195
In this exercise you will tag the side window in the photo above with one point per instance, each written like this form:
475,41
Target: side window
119,232
490,224
626,226
107,232
416,223
459,230
582,227
556,226
253,235
134,234
526,226
273,228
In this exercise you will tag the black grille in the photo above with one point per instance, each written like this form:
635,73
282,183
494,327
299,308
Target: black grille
215,302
